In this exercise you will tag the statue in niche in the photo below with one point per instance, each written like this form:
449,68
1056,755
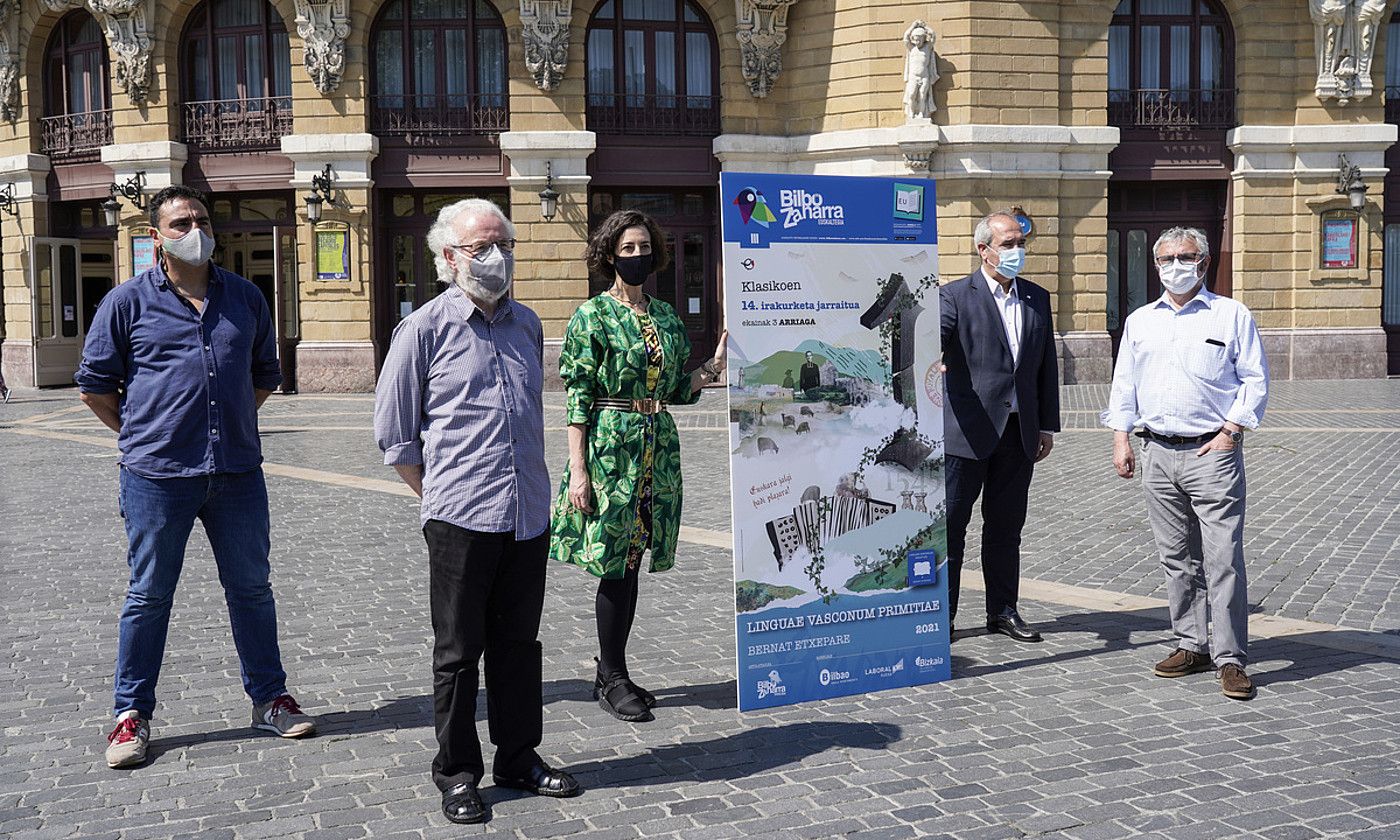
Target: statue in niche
920,71
1344,38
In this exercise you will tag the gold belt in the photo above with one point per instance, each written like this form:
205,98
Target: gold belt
647,405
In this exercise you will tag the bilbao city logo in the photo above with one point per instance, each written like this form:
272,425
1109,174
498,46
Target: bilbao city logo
754,207
827,676
772,686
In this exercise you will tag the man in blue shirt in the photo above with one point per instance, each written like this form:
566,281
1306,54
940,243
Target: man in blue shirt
1192,377
177,363
459,414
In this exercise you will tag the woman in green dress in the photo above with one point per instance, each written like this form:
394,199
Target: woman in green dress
621,494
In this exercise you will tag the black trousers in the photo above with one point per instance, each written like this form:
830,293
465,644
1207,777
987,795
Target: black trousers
486,592
1004,482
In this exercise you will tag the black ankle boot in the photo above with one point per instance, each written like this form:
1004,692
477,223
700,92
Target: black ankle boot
647,697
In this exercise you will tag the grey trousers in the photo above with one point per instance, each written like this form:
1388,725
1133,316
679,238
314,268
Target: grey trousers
1196,508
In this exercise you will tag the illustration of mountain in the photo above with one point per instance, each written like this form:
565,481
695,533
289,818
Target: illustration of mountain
860,364
750,595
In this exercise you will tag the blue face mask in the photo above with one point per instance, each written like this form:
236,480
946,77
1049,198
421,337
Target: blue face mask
1011,262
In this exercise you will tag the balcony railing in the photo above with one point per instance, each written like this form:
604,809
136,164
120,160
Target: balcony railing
423,120
75,138
659,114
242,125
1172,109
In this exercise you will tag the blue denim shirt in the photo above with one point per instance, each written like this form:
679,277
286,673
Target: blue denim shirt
186,378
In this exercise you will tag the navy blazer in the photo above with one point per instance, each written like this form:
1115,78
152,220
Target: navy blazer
981,373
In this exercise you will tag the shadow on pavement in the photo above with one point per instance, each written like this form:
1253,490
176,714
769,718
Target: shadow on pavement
728,757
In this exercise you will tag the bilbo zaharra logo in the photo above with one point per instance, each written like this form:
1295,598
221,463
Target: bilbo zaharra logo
754,207
799,206
773,685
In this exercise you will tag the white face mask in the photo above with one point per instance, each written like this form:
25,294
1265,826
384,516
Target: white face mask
1179,277
486,276
194,248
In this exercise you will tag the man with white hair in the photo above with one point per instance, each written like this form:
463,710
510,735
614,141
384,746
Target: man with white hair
1191,374
459,414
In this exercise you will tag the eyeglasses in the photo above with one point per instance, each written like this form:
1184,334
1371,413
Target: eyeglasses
1189,259
474,248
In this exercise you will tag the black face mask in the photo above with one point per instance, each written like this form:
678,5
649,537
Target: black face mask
634,270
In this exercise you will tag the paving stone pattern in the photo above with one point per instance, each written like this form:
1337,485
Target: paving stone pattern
1070,739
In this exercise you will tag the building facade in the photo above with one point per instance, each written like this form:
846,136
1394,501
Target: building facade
1106,120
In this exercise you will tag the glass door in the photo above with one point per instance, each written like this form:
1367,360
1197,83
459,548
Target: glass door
286,313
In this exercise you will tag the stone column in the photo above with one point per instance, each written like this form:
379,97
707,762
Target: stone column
29,174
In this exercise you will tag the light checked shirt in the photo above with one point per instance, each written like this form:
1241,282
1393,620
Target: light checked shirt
462,395
1008,304
1188,371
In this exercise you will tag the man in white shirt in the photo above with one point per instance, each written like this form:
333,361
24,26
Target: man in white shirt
1191,373
1001,407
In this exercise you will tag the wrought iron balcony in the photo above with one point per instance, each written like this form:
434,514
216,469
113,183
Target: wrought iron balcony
75,138
423,120
238,125
1172,109
659,114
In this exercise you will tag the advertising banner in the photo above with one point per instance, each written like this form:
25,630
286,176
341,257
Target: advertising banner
836,435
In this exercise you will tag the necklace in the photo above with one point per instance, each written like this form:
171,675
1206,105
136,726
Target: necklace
639,307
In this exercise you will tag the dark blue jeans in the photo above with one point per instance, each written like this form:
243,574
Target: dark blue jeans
159,515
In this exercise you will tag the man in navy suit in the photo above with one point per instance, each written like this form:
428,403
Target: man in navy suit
1001,406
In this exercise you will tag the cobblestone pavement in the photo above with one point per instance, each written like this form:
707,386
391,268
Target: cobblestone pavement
1069,739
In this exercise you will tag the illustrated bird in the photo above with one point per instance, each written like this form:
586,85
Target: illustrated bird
752,206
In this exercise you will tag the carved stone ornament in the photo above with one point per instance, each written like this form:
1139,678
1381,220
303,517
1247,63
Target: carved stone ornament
762,31
545,26
1344,37
920,71
9,60
323,26
126,25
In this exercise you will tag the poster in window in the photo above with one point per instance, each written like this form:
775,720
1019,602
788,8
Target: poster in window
143,253
1339,236
333,251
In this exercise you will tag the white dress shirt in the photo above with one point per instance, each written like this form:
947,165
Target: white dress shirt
1008,304
1187,371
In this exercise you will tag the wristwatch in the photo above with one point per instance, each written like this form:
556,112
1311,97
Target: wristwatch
1235,437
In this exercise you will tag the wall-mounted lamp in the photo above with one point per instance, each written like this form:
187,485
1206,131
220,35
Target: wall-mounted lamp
321,192
1349,183
549,197
133,191
8,202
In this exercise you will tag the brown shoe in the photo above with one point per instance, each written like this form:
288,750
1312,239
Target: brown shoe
1183,662
1235,683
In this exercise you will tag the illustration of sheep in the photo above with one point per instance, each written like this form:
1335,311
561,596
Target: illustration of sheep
767,445
789,421
808,412
803,428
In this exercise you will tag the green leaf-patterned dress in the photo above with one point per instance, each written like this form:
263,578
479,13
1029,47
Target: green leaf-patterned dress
634,460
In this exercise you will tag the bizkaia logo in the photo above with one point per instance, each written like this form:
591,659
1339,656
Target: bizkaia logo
827,677
885,670
753,207
799,206
928,662
773,685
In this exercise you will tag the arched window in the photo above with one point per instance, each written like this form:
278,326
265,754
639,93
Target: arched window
652,69
77,119
237,72
438,68
1171,65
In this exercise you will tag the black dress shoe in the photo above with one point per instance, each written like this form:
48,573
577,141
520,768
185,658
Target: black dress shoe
462,804
1008,622
541,780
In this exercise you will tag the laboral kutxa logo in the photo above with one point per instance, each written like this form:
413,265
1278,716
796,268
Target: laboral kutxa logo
753,206
909,202
773,685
